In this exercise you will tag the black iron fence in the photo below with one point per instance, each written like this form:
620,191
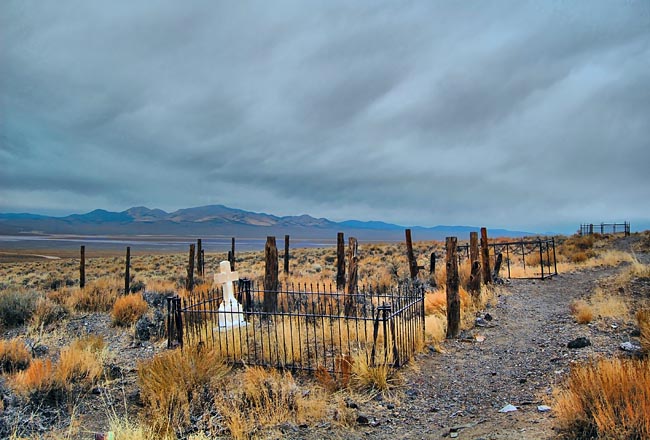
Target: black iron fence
523,259
309,330
605,228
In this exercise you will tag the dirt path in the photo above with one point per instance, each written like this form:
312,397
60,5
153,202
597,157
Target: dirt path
523,355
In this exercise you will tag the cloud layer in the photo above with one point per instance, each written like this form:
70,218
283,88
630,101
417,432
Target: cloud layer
515,114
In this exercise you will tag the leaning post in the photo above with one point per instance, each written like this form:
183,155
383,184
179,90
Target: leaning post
475,266
413,264
485,257
353,276
453,298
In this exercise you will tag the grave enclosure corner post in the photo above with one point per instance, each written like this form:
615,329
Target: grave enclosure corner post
413,264
353,277
270,275
199,258
286,254
475,265
453,298
340,261
231,257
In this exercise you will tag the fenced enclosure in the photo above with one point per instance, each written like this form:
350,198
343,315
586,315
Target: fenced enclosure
605,228
523,259
313,328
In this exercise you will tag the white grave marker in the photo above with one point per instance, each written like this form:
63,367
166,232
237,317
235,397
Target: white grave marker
229,313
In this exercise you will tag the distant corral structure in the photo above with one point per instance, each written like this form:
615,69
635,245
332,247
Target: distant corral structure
605,228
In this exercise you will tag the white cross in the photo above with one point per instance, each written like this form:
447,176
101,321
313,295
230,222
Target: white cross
226,277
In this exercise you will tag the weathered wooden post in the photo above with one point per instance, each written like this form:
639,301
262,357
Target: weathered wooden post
232,254
413,264
340,261
199,256
270,276
82,267
189,283
485,257
453,298
432,264
353,261
286,254
475,265
497,266
127,271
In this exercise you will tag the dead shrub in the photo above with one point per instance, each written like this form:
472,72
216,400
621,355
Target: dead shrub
173,384
581,311
128,309
606,399
13,356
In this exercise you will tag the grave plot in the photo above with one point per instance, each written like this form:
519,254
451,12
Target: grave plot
311,328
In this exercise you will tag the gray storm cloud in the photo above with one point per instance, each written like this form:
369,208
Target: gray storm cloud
515,114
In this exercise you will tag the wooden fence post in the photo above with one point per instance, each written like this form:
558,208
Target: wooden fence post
453,298
485,257
199,256
127,271
340,261
232,254
286,254
497,266
189,283
82,267
413,264
270,276
475,265
353,276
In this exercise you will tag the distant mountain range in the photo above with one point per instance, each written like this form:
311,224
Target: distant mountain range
219,220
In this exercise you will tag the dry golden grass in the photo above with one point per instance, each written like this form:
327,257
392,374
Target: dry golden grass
581,311
606,399
173,381
378,376
13,356
643,319
128,309
97,296
267,398
47,311
608,305
37,378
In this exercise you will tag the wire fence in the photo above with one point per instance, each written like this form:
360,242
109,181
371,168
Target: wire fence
313,328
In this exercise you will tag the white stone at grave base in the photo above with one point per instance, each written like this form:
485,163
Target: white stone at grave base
229,313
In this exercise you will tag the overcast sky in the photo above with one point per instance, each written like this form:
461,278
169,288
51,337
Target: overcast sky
529,115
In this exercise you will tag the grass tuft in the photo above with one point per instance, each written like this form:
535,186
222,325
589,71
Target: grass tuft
13,356
581,311
606,399
128,309
643,319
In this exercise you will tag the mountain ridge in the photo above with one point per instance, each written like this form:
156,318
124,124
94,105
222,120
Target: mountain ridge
216,220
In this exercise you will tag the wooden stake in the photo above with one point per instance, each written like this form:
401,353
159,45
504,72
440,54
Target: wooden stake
286,254
485,257
199,256
475,274
189,283
340,261
270,276
232,254
127,271
353,277
413,264
82,267
453,297
497,265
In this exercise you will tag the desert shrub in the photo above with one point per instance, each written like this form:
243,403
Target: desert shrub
16,307
581,311
643,319
606,399
128,309
79,368
173,383
97,296
268,398
47,311
13,356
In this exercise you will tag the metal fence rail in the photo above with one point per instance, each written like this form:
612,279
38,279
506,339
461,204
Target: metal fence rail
537,255
309,331
605,228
